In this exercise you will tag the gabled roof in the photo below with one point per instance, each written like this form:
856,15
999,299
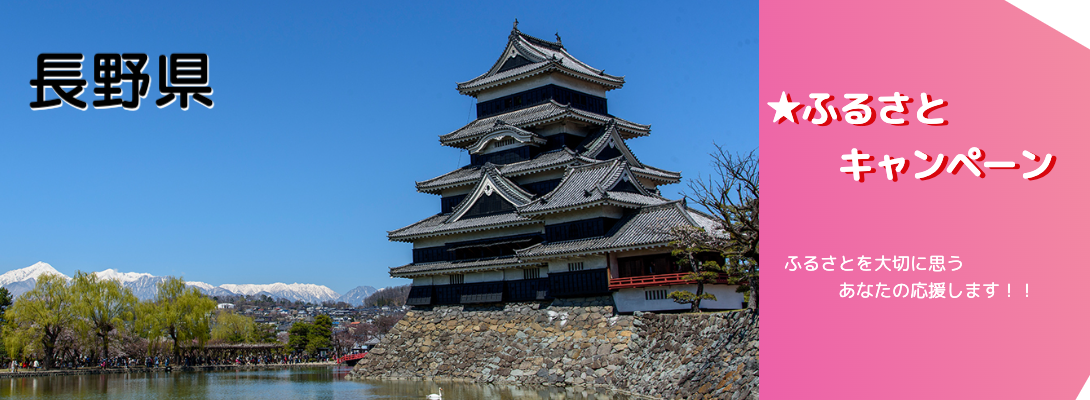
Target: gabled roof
592,185
527,56
541,114
648,228
609,137
501,130
491,182
546,161
463,176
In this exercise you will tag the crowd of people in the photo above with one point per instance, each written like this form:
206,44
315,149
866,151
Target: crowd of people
165,362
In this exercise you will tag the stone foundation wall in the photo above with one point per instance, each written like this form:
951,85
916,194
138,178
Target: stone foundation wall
693,356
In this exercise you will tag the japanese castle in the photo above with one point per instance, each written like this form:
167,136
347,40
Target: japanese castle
553,204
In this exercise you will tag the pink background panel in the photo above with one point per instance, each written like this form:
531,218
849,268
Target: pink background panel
1012,83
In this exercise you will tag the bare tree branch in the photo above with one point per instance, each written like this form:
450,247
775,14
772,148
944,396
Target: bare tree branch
731,195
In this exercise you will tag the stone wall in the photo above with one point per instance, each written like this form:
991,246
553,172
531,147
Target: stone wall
693,356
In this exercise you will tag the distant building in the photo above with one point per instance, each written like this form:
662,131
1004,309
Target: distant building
553,203
225,306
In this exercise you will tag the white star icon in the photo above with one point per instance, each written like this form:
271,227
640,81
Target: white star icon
784,108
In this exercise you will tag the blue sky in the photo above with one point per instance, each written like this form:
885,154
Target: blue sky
324,117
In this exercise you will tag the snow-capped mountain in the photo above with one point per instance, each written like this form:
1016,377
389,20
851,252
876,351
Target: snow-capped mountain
297,291
144,285
200,285
355,296
21,280
123,277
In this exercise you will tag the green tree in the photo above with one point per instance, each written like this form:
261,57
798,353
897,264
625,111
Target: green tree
178,312
234,328
689,243
299,336
101,307
5,302
39,317
321,333
265,333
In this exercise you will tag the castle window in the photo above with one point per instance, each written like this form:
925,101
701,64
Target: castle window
532,273
504,142
457,279
575,266
655,294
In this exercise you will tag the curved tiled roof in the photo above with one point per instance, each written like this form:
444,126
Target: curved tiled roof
529,117
469,174
589,185
461,176
490,182
542,162
501,130
661,175
608,136
542,56
422,269
647,228
436,225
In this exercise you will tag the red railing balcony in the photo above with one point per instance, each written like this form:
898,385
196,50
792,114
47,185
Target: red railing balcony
650,280
647,280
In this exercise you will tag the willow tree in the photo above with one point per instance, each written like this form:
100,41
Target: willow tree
234,328
178,312
5,302
40,316
102,307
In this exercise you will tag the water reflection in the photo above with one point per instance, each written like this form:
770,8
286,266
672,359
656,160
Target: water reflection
312,383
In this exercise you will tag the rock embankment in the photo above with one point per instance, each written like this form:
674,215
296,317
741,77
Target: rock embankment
693,356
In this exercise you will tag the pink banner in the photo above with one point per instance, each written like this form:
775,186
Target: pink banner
868,286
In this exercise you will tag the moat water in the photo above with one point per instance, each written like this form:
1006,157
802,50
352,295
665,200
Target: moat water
311,383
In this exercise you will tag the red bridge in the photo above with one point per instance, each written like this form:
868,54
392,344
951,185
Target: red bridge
351,359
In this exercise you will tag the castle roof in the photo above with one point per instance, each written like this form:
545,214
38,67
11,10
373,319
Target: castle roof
502,130
610,137
601,171
648,228
489,183
593,185
541,114
469,174
437,225
430,268
546,161
526,56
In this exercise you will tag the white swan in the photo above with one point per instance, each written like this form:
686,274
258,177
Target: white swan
434,396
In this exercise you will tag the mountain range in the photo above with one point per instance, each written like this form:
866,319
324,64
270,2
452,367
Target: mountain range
143,285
